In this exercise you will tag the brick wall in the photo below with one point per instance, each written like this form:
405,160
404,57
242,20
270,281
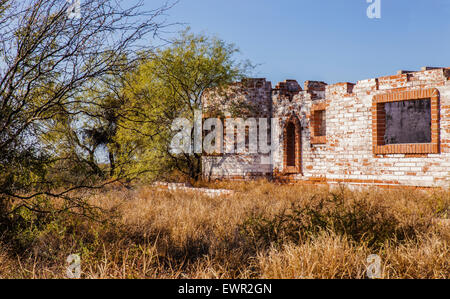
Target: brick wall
354,149
254,95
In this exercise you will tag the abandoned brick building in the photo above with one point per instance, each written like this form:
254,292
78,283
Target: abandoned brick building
392,130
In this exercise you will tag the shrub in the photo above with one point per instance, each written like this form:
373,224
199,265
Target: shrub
358,218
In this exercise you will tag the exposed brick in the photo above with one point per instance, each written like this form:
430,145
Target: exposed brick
353,150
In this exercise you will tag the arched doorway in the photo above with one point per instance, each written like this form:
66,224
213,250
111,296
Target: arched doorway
292,146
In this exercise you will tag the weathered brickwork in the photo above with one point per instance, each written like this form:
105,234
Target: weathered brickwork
251,98
337,133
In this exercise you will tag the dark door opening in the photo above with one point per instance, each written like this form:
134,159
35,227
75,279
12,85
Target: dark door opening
291,145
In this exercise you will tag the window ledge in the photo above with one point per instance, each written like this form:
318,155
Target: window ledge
318,139
291,170
419,148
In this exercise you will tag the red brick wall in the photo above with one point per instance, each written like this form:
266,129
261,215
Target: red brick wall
353,151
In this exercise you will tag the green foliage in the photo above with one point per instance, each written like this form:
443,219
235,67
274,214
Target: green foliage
170,84
24,226
52,119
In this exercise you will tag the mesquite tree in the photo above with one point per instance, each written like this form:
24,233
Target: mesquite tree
50,58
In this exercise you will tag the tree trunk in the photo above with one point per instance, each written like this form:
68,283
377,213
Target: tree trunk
112,164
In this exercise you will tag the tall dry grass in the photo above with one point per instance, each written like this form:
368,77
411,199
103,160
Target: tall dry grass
264,230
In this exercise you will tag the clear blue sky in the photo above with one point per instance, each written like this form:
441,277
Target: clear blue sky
326,40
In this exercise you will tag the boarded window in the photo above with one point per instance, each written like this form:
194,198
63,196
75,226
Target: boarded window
408,122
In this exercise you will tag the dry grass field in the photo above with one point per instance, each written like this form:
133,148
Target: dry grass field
263,230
